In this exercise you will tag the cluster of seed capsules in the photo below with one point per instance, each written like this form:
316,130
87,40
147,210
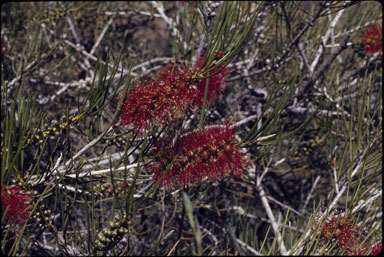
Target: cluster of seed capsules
114,139
43,216
106,189
53,131
111,235
54,14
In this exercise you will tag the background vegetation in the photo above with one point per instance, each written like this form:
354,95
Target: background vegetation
305,94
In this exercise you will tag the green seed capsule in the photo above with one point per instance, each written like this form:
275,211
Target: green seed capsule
106,232
100,236
100,245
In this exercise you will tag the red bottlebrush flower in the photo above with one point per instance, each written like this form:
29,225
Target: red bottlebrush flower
207,153
342,230
216,83
18,203
367,249
376,249
160,99
372,39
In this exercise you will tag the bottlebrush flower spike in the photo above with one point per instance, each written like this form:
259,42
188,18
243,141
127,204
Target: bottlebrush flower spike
216,83
367,249
160,99
18,203
342,230
207,153
372,39
376,249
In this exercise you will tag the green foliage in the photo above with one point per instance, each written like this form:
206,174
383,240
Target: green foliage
306,101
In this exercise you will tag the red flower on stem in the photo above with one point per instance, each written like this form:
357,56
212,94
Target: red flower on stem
160,99
341,229
18,203
376,249
367,249
168,95
372,39
216,82
209,153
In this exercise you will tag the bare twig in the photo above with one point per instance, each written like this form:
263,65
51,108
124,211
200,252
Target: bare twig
283,205
122,13
25,70
362,203
73,30
336,180
160,9
304,59
325,39
104,171
235,242
83,150
269,212
280,59
310,194
101,36
327,62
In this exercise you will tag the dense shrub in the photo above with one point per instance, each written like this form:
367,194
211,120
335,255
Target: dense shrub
191,128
